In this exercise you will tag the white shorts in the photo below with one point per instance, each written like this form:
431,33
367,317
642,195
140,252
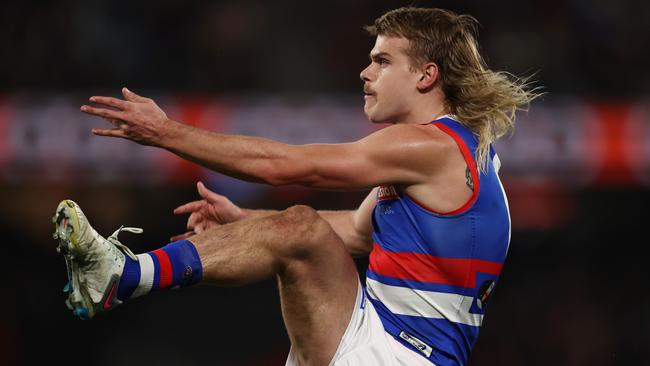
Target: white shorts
366,343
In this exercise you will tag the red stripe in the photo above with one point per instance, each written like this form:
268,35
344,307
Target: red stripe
428,268
165,268
469,159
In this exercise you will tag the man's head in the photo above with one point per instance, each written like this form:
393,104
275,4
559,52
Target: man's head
392,85
416,51
434,61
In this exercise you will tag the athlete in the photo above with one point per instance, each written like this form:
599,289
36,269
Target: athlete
435,224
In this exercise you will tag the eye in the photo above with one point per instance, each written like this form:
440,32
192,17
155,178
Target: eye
382,61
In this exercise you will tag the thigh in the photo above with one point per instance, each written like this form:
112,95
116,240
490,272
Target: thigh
366,342
318,291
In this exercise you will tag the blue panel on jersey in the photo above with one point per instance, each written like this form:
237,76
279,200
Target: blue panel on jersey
451,342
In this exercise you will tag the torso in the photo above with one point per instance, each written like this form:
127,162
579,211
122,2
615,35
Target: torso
438,251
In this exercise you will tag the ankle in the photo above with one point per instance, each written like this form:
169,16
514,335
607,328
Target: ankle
174,265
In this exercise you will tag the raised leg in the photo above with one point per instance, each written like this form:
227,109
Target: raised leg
316,276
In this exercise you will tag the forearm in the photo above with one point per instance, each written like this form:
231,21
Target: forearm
252,214
244,157
342,222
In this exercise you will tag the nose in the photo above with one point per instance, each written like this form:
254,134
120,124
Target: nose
364,75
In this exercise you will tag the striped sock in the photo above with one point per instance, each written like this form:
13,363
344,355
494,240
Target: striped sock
174,265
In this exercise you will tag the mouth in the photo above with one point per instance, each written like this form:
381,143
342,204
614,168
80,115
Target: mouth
367,92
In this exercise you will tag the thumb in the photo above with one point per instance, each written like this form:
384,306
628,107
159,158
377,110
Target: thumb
131,96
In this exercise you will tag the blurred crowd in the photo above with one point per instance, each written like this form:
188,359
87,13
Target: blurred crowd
595,48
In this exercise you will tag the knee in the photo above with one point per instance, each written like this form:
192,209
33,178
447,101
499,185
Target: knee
301,214
310,233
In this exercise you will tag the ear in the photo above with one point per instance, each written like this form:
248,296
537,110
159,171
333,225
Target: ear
428,76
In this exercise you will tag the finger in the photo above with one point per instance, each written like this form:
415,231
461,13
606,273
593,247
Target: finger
182,236
193,220
207,194
189,207
113,102
133,97
103,112
110,132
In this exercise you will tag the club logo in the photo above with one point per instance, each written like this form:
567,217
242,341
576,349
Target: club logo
387,193
484,293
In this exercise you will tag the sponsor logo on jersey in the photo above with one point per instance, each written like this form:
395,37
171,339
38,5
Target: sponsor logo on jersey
387,193
418,344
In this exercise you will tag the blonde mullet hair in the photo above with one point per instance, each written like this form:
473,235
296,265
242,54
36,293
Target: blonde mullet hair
483,100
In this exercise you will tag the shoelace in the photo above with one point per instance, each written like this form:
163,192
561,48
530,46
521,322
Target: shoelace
113,240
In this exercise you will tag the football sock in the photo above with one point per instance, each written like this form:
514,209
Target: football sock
174,265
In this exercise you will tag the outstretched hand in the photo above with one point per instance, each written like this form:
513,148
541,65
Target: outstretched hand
212,210
135,118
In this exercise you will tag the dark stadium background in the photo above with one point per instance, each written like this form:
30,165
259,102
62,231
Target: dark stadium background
574,290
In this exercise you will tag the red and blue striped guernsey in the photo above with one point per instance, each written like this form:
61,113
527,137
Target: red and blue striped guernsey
431,274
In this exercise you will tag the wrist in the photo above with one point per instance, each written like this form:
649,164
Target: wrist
246,213
172,133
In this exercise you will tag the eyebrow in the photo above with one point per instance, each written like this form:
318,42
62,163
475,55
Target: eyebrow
377,55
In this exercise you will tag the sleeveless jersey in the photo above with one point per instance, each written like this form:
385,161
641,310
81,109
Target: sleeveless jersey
430,274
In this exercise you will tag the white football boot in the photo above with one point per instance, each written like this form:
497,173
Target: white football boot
94,264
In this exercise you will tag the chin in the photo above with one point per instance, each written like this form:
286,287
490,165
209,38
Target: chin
370,117
371,114
376,117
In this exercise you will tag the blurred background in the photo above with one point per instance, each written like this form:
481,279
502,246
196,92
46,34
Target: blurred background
577,169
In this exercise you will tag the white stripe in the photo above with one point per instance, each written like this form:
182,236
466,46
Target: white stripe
497,166
428,304
146,275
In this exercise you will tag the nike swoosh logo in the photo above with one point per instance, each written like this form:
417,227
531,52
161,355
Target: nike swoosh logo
107,304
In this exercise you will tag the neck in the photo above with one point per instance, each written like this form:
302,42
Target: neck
426,108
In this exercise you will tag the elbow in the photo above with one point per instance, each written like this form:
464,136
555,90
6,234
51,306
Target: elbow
279,181
276,181
281,177
271,172
271,178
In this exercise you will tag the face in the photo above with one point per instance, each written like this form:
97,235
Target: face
389,81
